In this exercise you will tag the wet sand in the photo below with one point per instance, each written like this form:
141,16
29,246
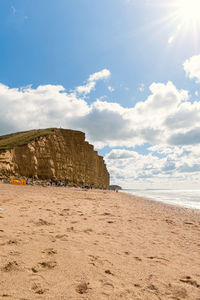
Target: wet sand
64,243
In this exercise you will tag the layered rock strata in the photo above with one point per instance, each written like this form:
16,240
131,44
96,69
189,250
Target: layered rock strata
62,156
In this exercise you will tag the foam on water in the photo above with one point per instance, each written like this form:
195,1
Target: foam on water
185,198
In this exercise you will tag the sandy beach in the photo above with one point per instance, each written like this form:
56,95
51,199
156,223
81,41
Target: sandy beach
64,243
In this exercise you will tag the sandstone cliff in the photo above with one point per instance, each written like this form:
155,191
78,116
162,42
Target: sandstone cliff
59,155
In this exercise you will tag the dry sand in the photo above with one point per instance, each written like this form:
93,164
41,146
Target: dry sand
62,243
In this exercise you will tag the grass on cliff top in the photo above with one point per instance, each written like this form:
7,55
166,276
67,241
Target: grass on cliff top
12,140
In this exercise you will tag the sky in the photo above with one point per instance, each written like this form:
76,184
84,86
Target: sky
125,72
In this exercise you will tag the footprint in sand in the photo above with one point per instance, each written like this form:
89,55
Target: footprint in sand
189,280
48,264
12,242
93,258
188,223
152,287
88,230
168,221
177,291
11,266
49,251
42,222
15,253
106,214
62,237
36,287
107,289
70,228
158,259
137,258
66,209
109,272
82,288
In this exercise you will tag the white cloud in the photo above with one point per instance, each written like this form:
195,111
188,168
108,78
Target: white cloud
166,117
191,137
110,88
167,120
192,67
121,154
45,106
104,74
141,87
91,82
86,89
180,167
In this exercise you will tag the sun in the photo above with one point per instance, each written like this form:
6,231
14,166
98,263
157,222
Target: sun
180,18
189,10
185,14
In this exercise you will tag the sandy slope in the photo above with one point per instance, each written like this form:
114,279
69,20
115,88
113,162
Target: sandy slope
60,243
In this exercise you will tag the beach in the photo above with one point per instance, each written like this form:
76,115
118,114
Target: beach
67,243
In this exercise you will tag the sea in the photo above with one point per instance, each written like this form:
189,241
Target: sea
184,198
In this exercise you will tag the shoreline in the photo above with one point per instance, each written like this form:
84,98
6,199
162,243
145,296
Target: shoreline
167,206
154,199
67,243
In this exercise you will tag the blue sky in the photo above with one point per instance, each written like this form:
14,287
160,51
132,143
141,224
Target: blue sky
126,72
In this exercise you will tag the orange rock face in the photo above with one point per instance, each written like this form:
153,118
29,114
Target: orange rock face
64,156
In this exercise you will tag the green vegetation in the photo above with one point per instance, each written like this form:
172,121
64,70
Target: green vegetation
22,138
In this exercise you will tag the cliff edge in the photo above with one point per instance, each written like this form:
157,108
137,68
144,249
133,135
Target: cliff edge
57,154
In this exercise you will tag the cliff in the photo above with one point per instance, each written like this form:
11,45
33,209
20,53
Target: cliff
57,154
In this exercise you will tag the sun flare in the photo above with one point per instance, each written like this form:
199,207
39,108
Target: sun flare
189,10
185,16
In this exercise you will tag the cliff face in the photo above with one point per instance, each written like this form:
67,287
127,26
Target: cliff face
63,155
